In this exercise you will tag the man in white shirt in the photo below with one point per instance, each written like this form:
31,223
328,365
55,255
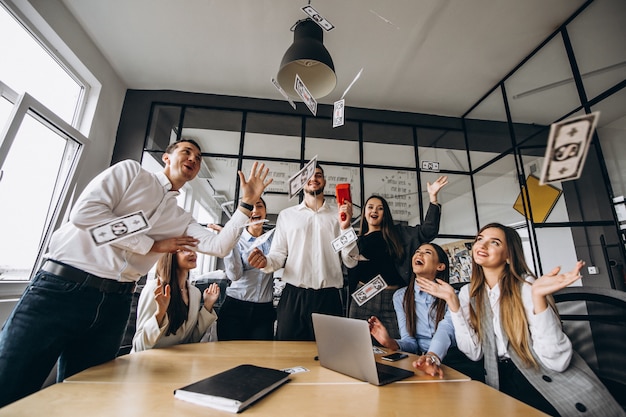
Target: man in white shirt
77,306
313,272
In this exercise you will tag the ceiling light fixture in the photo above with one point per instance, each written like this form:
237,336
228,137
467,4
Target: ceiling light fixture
308,58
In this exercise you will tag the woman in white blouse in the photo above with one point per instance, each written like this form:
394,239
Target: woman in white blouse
507,317
169,310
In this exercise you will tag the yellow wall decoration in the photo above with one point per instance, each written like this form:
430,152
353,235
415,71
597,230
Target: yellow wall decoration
543,198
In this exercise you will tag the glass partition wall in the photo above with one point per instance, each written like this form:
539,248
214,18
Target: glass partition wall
492,155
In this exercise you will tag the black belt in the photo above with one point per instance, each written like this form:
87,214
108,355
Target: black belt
70,273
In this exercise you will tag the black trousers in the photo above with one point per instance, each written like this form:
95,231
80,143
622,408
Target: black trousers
296,306
457,360
245,320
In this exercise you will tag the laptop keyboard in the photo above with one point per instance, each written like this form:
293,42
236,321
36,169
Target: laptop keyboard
390,373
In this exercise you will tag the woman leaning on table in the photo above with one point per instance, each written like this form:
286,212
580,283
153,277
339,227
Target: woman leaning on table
169,310
424,321
507,317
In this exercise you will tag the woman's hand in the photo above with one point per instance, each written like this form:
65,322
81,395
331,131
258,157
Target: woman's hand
435,187
257,259
379,331
429,363
440,289
345,215
210,295
162,298
552,282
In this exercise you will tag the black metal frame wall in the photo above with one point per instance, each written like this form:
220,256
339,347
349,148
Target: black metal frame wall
425,134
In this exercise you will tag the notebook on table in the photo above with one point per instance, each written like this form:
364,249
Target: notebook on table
344,345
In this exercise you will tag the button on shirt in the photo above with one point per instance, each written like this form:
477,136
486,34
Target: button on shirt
302,244
426,338
122,189
249,283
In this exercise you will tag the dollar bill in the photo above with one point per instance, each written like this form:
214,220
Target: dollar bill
120,228
369,290
567,148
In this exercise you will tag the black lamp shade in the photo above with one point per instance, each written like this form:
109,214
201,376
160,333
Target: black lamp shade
308,58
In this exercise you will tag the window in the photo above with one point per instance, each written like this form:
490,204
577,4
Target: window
39,148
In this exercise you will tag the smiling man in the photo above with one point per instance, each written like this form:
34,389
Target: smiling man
76,308
313,273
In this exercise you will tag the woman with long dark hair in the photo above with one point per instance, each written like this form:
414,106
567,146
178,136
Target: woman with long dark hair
386,249
507,317
425,324
169,310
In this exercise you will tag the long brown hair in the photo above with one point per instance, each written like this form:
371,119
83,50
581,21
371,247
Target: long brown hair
390,235
512,312
438,309
167,271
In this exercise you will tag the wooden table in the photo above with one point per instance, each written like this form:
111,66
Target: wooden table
142,384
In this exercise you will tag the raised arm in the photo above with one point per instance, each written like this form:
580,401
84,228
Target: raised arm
550,283
253,187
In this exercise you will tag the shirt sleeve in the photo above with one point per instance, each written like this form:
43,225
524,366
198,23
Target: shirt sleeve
205,320
218,244
551,345
350,255
148,332
407,343
429,229
279,249
233,264
443,337
466,338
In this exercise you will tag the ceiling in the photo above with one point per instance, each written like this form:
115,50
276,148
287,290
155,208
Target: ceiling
426,56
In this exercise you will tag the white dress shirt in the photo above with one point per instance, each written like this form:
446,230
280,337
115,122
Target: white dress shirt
302,244
150,335
552,346
122,189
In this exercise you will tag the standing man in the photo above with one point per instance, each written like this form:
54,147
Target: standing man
76,308
313,273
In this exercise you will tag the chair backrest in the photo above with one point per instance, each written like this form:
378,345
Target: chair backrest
595,321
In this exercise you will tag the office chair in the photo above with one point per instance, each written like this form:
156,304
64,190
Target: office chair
595,321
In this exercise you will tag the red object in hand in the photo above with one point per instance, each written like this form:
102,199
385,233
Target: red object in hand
342,194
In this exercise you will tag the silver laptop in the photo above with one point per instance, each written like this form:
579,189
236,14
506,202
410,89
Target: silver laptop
345,345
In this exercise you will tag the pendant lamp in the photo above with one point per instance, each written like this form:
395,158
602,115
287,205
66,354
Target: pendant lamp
308,58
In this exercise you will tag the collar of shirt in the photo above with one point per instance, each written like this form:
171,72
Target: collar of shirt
421,294
165,182
303,206
247,236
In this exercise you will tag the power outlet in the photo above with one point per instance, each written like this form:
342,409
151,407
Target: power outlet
593,270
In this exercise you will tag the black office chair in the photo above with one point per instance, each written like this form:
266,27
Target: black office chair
595,321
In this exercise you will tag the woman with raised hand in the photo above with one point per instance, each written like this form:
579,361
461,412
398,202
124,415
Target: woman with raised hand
507,317
169,310
386,249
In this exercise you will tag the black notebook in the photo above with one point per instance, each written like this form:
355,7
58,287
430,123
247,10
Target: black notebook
235,389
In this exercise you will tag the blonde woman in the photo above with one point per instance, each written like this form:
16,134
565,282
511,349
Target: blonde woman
507,317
